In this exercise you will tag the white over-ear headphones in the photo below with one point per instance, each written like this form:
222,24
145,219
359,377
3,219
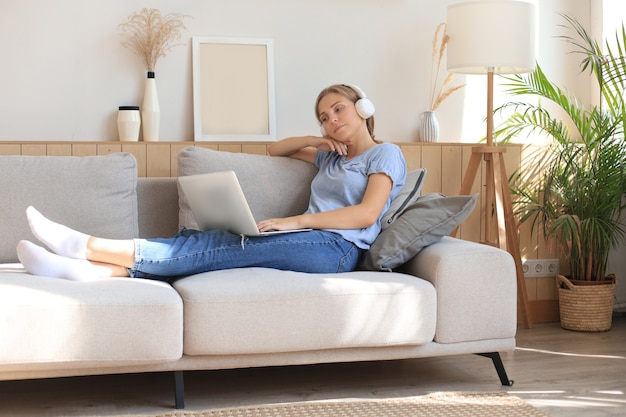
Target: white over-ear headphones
364,106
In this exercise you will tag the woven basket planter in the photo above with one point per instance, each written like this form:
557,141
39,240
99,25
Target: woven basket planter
587,307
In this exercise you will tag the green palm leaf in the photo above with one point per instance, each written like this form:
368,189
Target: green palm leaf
579,198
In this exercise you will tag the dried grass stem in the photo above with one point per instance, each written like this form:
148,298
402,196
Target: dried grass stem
151,35
438,93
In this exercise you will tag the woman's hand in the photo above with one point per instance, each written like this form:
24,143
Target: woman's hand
284,223
329,144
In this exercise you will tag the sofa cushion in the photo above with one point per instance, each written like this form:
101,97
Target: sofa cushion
273,186
422,224
57,324
409,193
260,310
94,194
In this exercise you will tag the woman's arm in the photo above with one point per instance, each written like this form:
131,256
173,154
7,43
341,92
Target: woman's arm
358,216
304,147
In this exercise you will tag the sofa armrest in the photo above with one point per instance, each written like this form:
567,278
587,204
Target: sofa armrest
476,289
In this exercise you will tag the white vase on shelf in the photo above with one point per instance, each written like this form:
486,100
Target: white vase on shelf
128,123
150,111
429,127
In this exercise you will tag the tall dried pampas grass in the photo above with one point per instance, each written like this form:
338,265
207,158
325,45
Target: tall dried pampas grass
438,93
151,35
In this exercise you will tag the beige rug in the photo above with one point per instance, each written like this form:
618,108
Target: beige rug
496,404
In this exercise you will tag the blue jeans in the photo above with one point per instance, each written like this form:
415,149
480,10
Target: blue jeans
192,252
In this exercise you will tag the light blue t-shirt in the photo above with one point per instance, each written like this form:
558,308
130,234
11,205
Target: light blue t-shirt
342,183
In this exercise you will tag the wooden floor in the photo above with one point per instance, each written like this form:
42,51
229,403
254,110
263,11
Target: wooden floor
561,372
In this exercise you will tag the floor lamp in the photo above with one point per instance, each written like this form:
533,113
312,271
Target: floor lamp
494,37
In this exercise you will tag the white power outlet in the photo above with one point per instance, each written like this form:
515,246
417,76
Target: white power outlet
540,267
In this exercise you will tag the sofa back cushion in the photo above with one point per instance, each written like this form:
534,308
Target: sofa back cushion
273,186
94,194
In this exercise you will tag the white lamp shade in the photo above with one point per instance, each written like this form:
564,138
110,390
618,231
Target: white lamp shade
497,35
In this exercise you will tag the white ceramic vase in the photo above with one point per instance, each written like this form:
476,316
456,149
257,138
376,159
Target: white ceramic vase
128,123
429,127
150,111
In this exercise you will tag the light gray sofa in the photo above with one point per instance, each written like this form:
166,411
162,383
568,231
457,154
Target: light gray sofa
454,297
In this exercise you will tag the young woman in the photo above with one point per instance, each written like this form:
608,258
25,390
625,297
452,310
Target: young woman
356,181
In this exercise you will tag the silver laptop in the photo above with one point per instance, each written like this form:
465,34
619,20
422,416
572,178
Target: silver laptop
217,202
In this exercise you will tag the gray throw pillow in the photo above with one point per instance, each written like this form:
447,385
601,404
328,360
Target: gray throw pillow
409,194
422,223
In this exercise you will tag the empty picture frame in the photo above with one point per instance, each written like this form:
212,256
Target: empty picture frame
233,89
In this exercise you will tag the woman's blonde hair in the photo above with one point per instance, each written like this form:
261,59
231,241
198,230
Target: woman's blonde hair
347,92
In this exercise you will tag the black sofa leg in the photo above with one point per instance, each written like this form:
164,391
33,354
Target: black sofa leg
497,362
179,390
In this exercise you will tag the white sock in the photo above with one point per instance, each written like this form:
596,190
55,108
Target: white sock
39,261
60,239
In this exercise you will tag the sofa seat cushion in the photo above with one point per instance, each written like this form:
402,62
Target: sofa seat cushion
105,322
260,310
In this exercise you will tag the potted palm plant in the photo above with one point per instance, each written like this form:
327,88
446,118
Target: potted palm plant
578,199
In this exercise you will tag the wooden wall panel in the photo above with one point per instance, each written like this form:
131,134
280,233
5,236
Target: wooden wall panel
84,149
452,169
231,147
159,160
472,227
431,160
59,149
10,149
256,149
412,156
140,152
175,149
108,148
34,149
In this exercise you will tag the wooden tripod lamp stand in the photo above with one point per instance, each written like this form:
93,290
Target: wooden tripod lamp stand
494,37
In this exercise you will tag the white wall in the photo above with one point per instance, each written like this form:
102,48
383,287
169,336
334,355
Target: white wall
64,73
